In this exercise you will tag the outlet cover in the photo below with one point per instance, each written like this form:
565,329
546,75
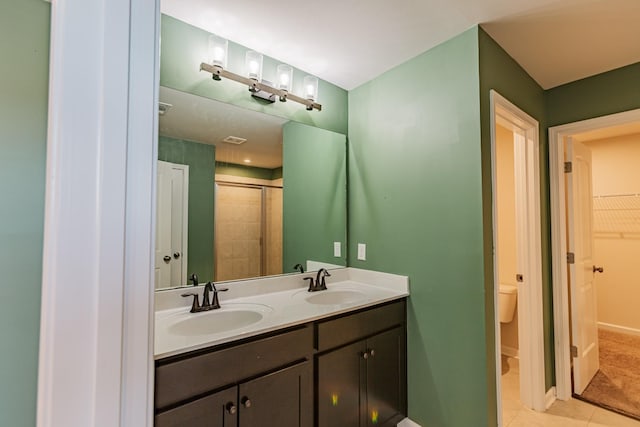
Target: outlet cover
362,251
337,249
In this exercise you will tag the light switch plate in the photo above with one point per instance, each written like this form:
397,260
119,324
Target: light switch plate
337,249
362,251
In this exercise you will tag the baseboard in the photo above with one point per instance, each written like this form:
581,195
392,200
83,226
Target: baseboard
509,351
407,423
549,398
616,328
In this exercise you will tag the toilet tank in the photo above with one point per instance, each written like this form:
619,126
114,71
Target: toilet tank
507,297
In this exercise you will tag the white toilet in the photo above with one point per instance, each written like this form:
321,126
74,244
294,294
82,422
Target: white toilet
508,294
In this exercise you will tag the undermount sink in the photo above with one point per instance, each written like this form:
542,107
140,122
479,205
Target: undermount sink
218,321
333,297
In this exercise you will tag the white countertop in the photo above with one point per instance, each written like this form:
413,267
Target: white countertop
280,301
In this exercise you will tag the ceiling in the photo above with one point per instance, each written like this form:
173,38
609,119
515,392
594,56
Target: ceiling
204,120
608,132
349,42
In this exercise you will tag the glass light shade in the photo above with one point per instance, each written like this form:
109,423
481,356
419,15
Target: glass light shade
310,85
285,77
218,48
253,64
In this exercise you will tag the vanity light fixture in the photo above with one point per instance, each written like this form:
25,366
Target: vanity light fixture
217,63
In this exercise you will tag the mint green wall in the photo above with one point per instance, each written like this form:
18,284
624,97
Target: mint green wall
248,171
415,199
498,71
24,43
314,195
607,93
184,47
201,160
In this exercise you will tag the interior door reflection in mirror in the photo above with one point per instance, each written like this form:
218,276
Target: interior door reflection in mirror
244,194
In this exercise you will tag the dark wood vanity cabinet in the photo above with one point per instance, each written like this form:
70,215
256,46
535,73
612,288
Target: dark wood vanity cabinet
267,381
363,383
358,361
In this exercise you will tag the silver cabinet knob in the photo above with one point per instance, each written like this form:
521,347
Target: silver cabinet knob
246,402
231,408
598,269
166,258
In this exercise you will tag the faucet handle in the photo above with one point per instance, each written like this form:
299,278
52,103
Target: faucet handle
195,306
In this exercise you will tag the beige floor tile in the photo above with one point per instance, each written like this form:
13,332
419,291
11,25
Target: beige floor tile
602,417
529,418
575,409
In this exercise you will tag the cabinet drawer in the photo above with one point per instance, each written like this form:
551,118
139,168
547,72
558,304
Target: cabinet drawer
343,330
192,376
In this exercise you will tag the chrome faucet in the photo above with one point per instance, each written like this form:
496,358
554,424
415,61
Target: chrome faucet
206,305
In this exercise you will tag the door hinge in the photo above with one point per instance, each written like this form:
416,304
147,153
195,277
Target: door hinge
571,258
568,167
519,278
574,351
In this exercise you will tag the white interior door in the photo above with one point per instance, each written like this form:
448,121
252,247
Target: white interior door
584,327
171,225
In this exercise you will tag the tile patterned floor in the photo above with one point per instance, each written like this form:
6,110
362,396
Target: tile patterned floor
572,413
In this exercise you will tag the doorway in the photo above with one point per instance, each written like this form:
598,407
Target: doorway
585,364
517,251
570,353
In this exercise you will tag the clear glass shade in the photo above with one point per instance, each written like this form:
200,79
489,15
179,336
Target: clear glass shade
253,65
310,85
285,77
218,48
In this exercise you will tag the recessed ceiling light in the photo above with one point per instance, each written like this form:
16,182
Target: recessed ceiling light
247,160
235,140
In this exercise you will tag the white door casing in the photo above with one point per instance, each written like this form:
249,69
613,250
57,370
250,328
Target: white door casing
530,317
171,225
584,322
561,322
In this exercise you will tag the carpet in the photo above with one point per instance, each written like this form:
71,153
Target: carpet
616,386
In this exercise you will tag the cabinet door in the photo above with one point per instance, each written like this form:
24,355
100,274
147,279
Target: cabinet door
340,386
385,374
216,410
281,399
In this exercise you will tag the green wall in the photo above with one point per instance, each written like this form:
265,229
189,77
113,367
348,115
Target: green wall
24,43
184,47
498,71
201,160
415,199
314,195
248,171
607,93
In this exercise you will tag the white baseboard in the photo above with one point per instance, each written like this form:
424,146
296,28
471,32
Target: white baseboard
617,328
509,351
549,398
407,423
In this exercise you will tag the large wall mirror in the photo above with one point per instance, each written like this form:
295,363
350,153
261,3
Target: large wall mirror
244,194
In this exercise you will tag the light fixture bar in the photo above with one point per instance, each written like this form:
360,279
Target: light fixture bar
221,72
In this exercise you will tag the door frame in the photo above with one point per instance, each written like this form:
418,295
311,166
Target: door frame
561,320
530,313
96,326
